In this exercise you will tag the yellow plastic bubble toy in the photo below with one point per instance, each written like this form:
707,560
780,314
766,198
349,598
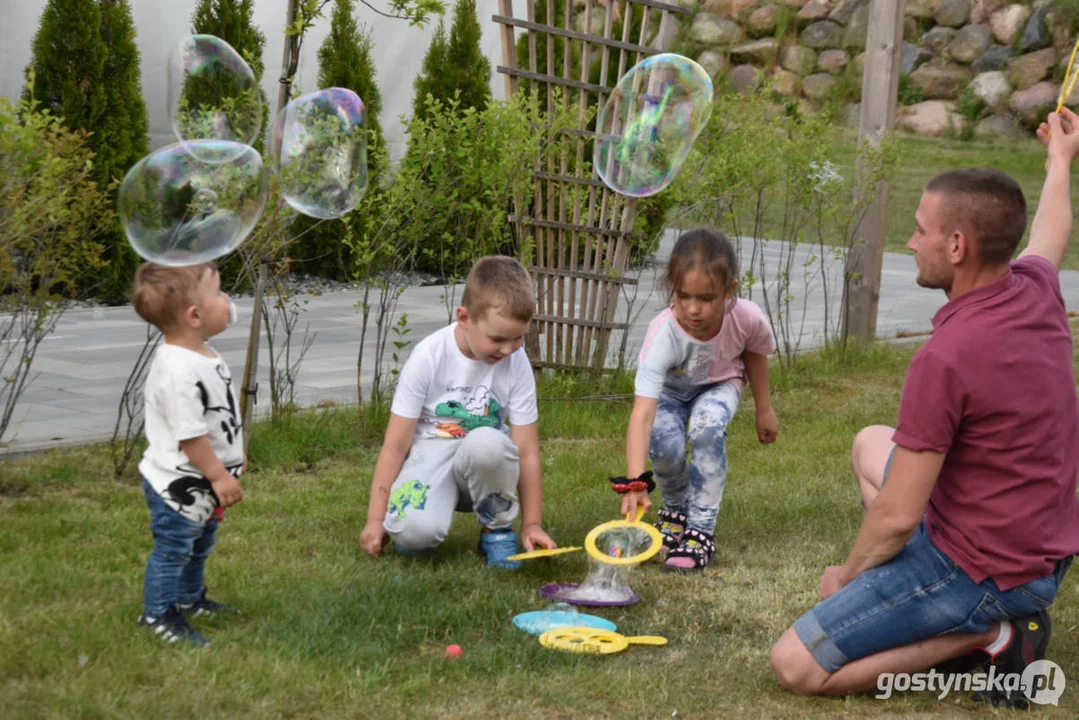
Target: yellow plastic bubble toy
613,556
593,640
542,553
1070,77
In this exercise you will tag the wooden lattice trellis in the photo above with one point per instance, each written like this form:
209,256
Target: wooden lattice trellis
581,228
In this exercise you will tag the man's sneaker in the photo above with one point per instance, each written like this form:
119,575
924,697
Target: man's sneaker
497,545
1027,641
173,628
207,608
972,663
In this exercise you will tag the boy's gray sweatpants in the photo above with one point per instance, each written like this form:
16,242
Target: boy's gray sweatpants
477,473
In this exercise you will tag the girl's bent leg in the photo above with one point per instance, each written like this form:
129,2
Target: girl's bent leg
667,450
711,414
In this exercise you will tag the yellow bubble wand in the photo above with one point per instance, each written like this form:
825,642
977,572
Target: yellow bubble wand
1070,76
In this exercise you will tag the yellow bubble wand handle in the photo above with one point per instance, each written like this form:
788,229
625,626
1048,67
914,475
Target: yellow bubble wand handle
594,640
1070,76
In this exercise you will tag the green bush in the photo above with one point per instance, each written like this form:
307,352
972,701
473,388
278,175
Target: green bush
786,23
233,22
909,93
761,175
345,60
125,130
1069,10
846,89
455,68
969,106
51,209
85,70
52,213
67,64
465,167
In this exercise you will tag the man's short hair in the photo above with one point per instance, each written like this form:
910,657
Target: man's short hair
501,283
987,205
162,293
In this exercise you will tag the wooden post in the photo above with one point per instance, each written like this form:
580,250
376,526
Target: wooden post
509,47
879,86
668,31
249,387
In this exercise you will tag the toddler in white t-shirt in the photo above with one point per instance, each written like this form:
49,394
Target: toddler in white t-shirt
195,454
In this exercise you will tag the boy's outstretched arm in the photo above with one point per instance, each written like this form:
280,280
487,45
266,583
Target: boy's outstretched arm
1052,226
757,373
391,458
530,487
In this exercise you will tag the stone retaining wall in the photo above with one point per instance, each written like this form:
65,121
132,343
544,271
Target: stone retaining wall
981,68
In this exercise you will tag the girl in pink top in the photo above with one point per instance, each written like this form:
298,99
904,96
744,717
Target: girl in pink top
694,364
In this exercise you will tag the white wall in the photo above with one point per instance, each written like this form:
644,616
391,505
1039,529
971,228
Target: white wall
160,24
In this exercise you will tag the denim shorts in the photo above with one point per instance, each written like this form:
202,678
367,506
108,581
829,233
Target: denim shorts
918,594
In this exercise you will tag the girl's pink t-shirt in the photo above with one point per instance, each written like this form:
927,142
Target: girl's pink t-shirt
675,363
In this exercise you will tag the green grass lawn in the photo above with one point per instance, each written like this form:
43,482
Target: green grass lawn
327,632
922,158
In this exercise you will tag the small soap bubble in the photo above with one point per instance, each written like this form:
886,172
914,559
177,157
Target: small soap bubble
320,142
650,122
213,95
178,210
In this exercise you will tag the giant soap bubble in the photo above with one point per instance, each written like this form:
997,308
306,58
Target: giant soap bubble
320,142
650,122
179,210
213,95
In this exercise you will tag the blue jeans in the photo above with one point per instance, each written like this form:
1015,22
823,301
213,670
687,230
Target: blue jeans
918,594
693,483
175,569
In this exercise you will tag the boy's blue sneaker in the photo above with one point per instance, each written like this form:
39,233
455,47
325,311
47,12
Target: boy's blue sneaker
406,552
173,628
207,608
497,545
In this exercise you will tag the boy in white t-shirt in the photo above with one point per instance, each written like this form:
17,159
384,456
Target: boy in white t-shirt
448,446
196,449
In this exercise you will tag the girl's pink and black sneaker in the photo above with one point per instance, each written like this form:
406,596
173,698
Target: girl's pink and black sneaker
671,525
693,553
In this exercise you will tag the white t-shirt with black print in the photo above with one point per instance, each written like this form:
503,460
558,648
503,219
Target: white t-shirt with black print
189,395
450,394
